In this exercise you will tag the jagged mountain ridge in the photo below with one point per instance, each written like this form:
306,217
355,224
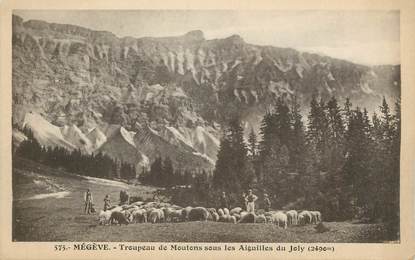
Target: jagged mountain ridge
135,148
74,75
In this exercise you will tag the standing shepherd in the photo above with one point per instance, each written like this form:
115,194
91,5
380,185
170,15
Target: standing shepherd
157,196
267,203
243,201
124,197
88,202
107,202
251,198
224,201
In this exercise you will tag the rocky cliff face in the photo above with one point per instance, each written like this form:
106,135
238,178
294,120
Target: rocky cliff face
176,86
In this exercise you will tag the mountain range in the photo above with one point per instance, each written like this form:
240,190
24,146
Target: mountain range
138,98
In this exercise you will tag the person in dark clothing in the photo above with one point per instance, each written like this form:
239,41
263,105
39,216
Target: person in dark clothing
267,203
124,197
243,201
224,201
107,202
88,202
157,196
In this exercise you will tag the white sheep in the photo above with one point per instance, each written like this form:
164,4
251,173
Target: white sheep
230,219
127,215
236,210
304,217
117,208
137,203
268,218
318,213
226,211
139,216
156,215
243,213
260,219
198,214
315,217
247,218
222,218
150,205
132,209
292,217
104,217
149,210
215,216
211,210
280,219
237,216
176,215
185,213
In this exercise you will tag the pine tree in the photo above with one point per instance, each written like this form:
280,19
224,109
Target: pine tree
357,174
282,118
347,112
233,170
223,174
275,174
386,166
252,144
336,146
393,225
156,172
201,188
387,122
268,134
298,141
335,122
316,132
30,148
188,177
241,163
168,172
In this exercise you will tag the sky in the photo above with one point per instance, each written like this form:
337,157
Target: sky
365,37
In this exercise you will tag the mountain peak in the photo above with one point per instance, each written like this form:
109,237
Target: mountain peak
17,20
196,35
235,38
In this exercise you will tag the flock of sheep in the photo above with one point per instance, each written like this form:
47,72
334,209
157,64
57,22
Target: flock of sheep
154,212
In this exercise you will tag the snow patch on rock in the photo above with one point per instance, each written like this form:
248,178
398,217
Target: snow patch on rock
75,136
97,138
365,88
127,136
46,133
205,157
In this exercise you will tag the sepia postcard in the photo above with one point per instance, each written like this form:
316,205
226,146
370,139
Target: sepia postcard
182,129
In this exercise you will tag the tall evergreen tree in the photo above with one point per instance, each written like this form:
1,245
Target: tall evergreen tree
336,146
233,170
357,166
156,172
282,119
224,176
316,132
347,112
298,149
268,134
252,144
168,172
